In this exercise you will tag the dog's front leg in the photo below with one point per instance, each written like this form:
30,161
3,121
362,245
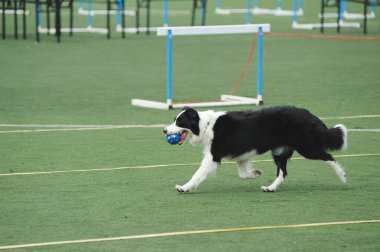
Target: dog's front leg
207,169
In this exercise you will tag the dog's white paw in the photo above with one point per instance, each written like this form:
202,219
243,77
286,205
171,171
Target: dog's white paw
342,176
181,189
251,175
268,189
255,174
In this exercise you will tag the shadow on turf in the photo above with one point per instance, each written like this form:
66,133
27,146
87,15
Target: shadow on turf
297,189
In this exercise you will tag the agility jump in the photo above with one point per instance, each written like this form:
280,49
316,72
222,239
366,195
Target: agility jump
344,12
122,11
226,100
256,10
322,24
89,12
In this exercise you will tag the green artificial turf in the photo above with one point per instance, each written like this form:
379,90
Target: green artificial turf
89,80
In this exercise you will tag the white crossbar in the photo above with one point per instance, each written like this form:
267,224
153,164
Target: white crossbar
212,30
225,100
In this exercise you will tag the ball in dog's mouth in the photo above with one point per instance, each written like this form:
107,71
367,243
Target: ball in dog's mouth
177,138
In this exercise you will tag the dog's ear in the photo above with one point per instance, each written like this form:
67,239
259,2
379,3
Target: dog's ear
191,112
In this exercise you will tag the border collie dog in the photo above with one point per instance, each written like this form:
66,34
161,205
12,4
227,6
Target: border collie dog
241,135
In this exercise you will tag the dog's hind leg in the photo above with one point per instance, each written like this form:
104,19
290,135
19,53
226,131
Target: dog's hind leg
338,169
280,156
324,156
207,169
246,170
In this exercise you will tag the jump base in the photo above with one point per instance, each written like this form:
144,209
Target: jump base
225,100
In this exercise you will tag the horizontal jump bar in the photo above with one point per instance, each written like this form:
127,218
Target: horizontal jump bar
212,30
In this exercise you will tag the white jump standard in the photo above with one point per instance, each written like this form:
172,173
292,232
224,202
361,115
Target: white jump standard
226,100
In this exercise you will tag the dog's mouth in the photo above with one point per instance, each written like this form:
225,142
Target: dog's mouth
183,137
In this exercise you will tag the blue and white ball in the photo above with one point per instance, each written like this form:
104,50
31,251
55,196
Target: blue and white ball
173,138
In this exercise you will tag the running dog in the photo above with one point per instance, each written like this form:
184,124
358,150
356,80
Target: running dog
241,135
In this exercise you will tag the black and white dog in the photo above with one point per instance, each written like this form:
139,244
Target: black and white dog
241,135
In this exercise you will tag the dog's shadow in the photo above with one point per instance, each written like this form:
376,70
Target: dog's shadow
288,189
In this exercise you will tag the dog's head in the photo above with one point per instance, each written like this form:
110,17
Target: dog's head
186,122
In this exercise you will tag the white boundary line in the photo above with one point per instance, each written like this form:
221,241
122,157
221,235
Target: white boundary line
160,166
52,128
350,117
78,127
364,130
122,127
181,233
9,125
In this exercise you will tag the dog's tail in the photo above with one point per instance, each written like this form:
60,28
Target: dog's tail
337,137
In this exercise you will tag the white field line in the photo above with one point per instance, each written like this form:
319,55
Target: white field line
73,127
350,117
141,125
52,128
181,233
364,130
80,125
125,127
160,166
